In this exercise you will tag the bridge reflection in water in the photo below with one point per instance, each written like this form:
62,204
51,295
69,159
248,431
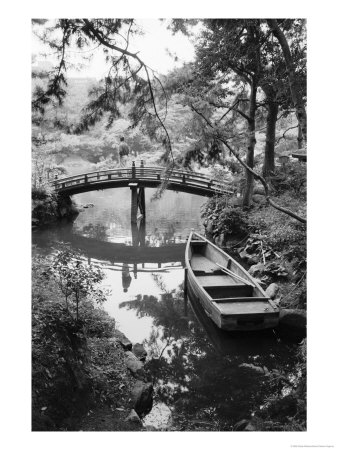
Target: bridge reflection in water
140,256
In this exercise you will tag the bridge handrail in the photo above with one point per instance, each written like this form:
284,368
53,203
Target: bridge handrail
143,169
143,172
177,175
138,171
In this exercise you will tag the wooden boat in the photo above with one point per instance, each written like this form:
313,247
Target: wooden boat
228,294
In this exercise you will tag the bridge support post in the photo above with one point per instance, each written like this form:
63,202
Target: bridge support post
134,235
141,201
138,203
133,216
142,233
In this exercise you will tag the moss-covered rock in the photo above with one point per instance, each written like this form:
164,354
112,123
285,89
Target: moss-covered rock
49,207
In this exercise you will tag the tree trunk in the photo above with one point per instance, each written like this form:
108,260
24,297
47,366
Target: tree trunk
77,307
247,196
300,138
295,92
269,154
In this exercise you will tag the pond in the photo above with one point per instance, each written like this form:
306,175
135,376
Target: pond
204,378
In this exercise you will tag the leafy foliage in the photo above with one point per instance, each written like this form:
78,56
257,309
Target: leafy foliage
286,236
225,219
76,280
75,363
290,177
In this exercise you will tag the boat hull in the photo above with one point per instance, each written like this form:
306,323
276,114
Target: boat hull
242,322
245,318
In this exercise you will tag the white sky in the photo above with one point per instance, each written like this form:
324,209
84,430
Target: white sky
152,48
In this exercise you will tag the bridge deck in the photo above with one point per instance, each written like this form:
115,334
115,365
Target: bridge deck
177,180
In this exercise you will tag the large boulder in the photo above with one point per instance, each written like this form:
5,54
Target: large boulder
252,259
134,365
250,427
160,416
257,369
272,290
240,426
209,227
256,198
244,425
235,201
244,255
139,352
124,341
151,428
285,406
219,240
134,418
256,269
142,397
275,270
292,324
258,190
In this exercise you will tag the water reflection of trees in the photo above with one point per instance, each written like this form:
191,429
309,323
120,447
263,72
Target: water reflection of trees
97,231
191,374
158,238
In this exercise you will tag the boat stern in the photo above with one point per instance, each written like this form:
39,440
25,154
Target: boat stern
250,322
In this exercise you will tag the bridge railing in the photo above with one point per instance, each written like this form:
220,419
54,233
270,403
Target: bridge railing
143,173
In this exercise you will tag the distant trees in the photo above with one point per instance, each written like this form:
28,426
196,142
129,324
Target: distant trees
128,77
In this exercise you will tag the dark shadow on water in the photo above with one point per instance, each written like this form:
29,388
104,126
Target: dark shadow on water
200,369
236,342
91,247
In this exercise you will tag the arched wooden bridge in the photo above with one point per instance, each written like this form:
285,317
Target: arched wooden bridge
141,177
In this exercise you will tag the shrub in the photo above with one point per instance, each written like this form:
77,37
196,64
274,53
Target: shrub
39,193
225,219
283,235
291,177
62,380
231,221
59,383
76,280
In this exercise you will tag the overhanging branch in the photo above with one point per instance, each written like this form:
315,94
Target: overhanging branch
219,137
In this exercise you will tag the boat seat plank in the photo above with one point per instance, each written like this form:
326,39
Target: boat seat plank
200,263
217,280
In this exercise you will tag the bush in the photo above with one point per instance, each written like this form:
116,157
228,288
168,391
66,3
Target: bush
291,177
231,221
224,218
39,193
233,165
96,322
62,381
283,235
59,383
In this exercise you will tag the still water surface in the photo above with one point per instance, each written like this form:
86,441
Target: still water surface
201,375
